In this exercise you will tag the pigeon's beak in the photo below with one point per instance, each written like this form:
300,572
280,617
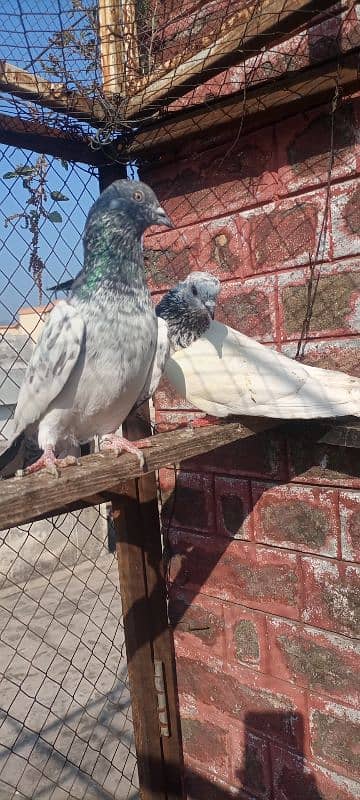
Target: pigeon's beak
162,218
211,308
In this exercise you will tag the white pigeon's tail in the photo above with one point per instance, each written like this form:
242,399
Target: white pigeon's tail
225,373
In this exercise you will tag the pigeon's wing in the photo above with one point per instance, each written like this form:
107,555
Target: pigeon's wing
158,364
53,359
225,372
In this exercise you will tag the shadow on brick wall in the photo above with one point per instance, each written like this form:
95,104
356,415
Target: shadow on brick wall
268,771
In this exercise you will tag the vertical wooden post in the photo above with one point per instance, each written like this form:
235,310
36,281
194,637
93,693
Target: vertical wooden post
162,638
138,639
118,45
147,633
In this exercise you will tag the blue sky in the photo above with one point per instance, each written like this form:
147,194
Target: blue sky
60,245
25,28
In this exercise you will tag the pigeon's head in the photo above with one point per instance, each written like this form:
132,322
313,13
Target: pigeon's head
201,290
131,205
189,307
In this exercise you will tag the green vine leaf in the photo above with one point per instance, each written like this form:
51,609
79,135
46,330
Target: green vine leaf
54,216
24,171
58,197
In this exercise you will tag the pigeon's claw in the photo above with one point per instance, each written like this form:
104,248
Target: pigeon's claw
50,463
118,444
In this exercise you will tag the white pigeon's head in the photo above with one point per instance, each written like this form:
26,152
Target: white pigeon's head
204,287
189,307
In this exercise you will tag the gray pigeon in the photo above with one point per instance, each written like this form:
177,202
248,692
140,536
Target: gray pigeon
97,349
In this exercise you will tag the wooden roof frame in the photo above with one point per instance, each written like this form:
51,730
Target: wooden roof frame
244,33
263,104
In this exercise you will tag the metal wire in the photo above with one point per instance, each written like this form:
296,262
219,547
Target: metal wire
65,715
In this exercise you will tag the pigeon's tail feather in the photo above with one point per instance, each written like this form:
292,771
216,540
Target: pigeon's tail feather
10,453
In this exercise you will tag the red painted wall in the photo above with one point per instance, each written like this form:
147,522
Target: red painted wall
265,534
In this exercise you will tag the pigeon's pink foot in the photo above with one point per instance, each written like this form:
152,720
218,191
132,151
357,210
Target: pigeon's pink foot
118,444
49,462
203,422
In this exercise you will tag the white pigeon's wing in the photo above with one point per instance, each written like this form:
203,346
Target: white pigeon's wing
54,357
158,364
225,372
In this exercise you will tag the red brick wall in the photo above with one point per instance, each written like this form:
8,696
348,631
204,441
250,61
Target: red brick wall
265,534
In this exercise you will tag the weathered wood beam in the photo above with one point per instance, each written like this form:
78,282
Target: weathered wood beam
262,105
56,96
40,138
23,499
258,25
111,47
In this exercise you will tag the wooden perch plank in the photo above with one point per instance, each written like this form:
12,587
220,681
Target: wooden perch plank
23,499
254,27
40,138
21,83
262,105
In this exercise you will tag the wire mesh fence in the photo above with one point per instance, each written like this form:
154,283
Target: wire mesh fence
65,718
156,74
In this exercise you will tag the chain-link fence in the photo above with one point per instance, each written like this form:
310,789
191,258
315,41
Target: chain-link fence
65,719
172,88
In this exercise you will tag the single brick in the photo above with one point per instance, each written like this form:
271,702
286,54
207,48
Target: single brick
191,503
296,517
260,577
283,234
345,214
335,736
305,141
336,309
264,705
169,257
317,660
343,354
297,778
206,743
332,595
250,307
350,525
198,623
245,637
232,500
220,250
261,456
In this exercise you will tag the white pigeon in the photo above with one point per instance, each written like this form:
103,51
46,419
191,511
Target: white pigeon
223,372
97,349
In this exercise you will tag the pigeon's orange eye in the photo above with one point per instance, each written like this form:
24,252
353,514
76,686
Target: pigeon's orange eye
138,196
